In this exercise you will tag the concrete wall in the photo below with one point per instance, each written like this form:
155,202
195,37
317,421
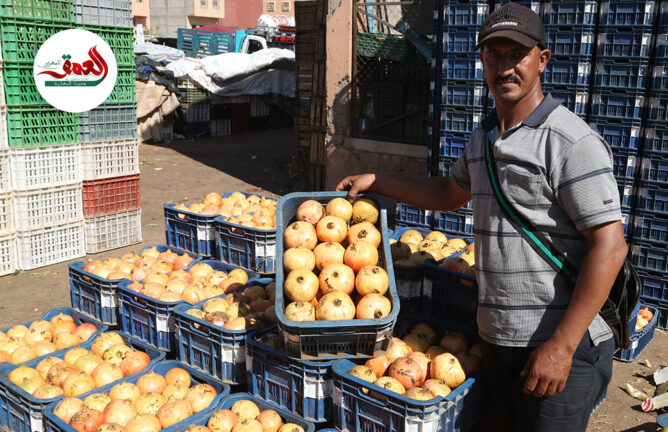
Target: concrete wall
169,15
242,14
209,11
278,7
141,11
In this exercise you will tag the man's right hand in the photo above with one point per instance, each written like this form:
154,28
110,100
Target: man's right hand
356,184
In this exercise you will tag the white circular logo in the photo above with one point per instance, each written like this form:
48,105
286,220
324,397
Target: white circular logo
75,70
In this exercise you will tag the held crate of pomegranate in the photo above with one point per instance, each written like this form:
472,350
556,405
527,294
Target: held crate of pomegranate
42,337
168,397
211,334
644,321
317,316
418,383
94,284
28,389
256,415
302,387
146,308
248,240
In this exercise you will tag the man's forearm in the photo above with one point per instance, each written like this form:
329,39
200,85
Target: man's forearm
438,193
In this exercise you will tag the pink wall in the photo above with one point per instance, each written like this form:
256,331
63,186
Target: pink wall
242,14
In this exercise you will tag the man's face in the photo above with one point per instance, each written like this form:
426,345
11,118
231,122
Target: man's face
512,71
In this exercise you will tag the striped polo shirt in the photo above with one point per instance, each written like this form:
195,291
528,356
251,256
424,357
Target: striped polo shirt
557,172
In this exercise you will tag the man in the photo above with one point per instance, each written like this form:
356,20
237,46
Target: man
547,354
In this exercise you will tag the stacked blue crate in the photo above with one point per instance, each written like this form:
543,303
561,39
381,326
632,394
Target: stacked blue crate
649,249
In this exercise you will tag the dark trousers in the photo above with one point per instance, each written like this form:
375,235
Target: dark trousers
507,408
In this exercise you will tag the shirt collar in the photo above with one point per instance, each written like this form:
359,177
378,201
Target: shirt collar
491,124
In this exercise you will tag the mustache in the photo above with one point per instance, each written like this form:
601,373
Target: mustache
509,79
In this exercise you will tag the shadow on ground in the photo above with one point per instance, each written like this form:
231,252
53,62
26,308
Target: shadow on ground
259,158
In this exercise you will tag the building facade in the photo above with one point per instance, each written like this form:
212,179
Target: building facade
166,16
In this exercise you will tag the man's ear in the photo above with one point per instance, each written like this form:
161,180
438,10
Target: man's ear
543,58
480,53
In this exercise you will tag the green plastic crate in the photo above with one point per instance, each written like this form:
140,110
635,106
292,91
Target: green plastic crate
39,10
20,88
22,38
39,126
124,91
385,46
120,40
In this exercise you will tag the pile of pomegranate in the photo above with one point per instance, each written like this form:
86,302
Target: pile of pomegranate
421,368
332,270
252,307
41,337
155,402
252,211
245,416
412,249
137,267
80,370
644,317
199,283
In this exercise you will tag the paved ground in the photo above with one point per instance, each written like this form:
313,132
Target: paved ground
188,169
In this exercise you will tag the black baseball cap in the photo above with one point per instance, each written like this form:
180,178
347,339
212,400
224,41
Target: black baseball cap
515,22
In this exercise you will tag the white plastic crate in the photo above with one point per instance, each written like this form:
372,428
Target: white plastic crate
221,127
43,167
4,140
5,172
6,213
2,86
45,246
113,231
7,254
48,207
198,112
257,107
110,159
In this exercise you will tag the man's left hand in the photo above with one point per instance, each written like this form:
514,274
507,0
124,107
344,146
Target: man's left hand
547,369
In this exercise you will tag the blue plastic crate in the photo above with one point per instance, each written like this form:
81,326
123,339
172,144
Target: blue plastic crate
21,412
626,193
570,40
463,66
618,103
655,168
533,5
628,13
660,75
649,256
654,284
319,340
460,119
302,387
567,70
569,13
445,165
575,98
624,165
53,423
216,351
190,231
393,412
78,317
407,215
453,144
663,15
152,321
96,297
409,279
661,45
628,42
640,339
464,93
463,13
250,248
621,73
459,221
658,106
661,311
619,133
445,288
458,40
650,227
653,197
231,399
656,137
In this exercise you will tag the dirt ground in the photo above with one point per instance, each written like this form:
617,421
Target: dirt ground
186,170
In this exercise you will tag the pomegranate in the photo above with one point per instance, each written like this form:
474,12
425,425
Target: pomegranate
436,236
248,425
182,261
426,331
270,420
418,393
298,258
365,210
331,229
87,363
37,335
300,311
105,341
469,362
455,264
236,324
44,366
476,350
378,364
400,251
389,383
178,376
197,428
372,279
87,420
418,258
239,275
300,234
106,373
173,412
67,407
328,253
116,353
423,360
78,384
335,305
397,349
48,392
44,348
134,362
245,409
22,354
4,357
436,387
151,383
290,427
126,391
337,277
446,367
59,327
411,236
59,373
364,231
416,342
301,285
85,331
97,401
222,420
454,343
434,350
339,207
65,340
110,427
174,392
407,371
33,384
364,373
143,423
373,306
310,211
149,403
359,255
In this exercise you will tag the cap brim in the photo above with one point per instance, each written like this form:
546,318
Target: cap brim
513,35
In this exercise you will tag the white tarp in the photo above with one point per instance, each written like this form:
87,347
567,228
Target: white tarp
275,21
234,74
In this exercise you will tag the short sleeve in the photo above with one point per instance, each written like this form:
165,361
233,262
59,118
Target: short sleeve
460,171
584,183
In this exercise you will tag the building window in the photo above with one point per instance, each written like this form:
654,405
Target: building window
203,3
215,4
270,7
286,6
